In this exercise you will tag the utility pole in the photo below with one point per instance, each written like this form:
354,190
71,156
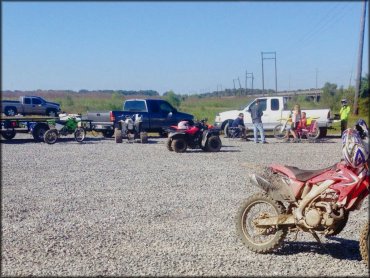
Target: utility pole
316,79
359,60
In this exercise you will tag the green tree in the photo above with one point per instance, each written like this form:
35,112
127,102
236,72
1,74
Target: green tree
172,98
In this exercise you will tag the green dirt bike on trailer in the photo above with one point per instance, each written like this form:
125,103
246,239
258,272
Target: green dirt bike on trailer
67,124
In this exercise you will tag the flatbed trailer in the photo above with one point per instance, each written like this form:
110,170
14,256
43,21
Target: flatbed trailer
36,126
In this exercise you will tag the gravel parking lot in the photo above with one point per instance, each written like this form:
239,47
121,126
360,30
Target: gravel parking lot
101,208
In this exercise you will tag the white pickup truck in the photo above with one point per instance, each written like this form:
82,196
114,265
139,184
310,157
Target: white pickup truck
274,109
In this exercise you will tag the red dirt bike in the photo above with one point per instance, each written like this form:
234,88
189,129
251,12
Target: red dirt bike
313,201
196,136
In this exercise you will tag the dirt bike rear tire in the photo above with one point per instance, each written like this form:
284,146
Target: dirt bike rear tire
213,144
279,234
179,145
278,134
364,243
168,145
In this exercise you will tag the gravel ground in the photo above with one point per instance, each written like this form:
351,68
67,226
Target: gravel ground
101,208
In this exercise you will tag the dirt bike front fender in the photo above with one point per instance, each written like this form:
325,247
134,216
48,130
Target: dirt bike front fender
279,192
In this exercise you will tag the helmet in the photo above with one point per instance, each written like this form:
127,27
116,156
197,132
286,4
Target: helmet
344,101
362,128
355,152
183,125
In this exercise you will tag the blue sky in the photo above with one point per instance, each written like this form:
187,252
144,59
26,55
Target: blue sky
187,47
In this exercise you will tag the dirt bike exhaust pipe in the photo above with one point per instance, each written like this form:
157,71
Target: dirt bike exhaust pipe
278,191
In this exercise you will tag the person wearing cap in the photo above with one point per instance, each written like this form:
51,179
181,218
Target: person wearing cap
239,123
256,114
344,113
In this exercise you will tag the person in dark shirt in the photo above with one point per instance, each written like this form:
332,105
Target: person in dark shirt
256,114
239,123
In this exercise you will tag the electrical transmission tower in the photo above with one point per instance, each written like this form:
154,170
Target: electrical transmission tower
273,54
247,76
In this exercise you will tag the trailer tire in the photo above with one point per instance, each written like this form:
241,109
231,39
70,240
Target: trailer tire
8,134
10,111
118,135
38,132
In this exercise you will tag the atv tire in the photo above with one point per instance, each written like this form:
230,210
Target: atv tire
245,225
179,145
213,144
168,144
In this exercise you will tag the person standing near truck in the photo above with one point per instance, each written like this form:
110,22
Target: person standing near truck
256,115
344,113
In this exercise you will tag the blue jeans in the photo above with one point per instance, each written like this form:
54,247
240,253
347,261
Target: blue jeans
259,127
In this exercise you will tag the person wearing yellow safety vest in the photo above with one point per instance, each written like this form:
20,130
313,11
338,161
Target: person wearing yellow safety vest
344,113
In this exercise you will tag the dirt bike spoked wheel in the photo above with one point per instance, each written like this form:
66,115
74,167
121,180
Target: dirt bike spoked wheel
313,135
168,145
213,144
279,131
259,239
51,136
80,134
364,243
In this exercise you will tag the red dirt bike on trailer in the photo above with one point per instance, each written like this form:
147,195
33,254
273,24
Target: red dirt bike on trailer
196,135
313,201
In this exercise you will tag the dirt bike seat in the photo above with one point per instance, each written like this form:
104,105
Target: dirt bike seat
299,174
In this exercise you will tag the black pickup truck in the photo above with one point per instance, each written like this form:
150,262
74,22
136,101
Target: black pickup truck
157,114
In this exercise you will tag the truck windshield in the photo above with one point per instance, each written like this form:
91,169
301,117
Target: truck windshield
134,106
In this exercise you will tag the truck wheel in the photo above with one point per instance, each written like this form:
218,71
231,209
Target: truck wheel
80,134
144,137
168,145
51,113
8,134
179,145
323,132
118,135
39,132
10,111
51,136
108,133
226,130
213,144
